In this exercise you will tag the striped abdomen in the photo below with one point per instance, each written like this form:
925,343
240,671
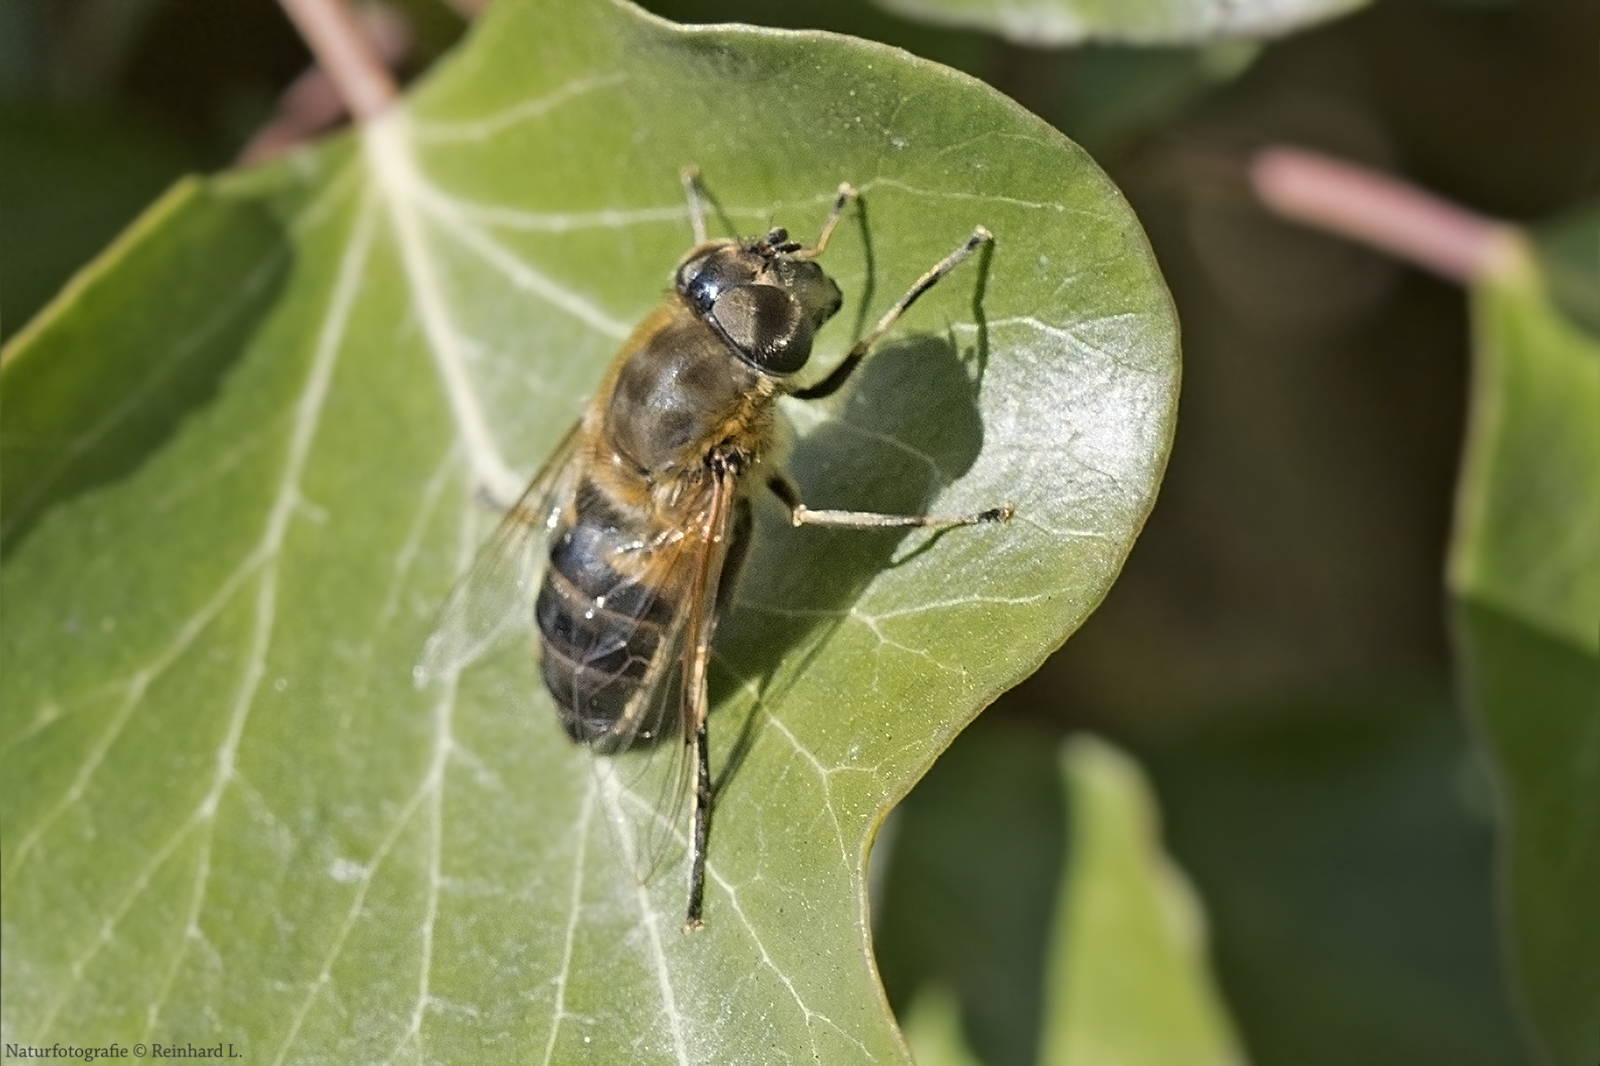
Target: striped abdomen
604,616
625,553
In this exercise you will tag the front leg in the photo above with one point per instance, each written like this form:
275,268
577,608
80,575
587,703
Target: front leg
847,366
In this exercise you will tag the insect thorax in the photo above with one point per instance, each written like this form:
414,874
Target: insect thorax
683,393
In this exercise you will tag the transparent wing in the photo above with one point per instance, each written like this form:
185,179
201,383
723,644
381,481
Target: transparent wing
495,598
631,644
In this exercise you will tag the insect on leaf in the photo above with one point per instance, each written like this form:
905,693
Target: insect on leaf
229,815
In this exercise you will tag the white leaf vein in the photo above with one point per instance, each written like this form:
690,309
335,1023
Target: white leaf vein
265,558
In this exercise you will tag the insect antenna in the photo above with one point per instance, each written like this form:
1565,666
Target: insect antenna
690,176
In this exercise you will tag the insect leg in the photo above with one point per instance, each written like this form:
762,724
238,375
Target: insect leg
719,528
700,831
690,176
786,490
847,193
830,384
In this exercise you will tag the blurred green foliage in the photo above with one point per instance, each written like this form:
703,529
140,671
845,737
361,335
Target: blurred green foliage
1524,576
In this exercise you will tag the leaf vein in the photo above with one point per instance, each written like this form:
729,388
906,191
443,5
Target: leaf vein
558,1012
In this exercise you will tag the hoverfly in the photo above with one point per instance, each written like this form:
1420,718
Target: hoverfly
644,508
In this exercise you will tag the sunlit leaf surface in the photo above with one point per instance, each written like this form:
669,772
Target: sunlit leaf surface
228,813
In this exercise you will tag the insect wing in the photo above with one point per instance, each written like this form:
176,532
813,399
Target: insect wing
495,597
634,634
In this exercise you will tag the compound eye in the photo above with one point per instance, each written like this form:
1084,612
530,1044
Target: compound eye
768,327
703,280
698,284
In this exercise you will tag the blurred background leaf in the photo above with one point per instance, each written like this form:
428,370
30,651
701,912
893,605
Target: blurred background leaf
1525,571
1528,513
1129,981
1027,913
970,874
71,181
1340,848
1568,248
1343,850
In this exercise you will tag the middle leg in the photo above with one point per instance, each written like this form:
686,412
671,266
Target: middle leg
786,490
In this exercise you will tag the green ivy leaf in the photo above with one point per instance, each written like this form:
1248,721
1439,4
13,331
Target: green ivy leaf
1128,982
1053,23
228,813
1528,510
1526,576
1029,914
932,1026
98,381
